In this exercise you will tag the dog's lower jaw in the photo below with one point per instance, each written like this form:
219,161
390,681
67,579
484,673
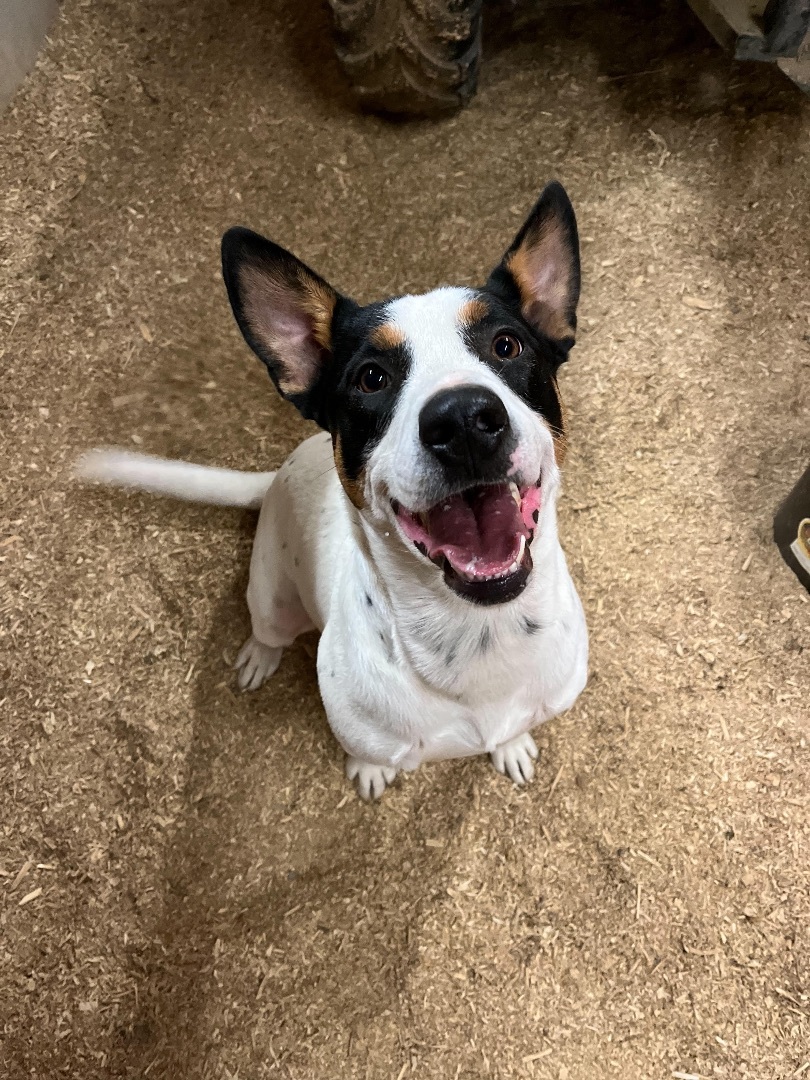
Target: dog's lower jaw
494,590
479,537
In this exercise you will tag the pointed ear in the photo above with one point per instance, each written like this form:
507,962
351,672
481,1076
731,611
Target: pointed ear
283,309
540,271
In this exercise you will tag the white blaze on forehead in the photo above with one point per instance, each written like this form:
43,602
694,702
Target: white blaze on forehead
400,467
432,330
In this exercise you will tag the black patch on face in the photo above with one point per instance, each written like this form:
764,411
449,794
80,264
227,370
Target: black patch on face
531,627
434,641
357,419
389,653
452,652
531,375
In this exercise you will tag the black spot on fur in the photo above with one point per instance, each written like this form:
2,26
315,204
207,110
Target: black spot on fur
284,546
389,652
297,561
452,652
358,420
426,632
485,640
531,627
369,601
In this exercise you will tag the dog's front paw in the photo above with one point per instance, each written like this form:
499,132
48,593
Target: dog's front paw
516,758
255,663
372,780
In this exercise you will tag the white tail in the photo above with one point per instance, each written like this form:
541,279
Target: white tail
176,479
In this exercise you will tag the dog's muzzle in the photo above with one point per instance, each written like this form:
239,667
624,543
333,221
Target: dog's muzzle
480,539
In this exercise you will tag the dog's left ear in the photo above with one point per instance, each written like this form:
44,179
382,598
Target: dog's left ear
540,271
284,311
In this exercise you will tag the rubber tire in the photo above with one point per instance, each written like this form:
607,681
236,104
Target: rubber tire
409,57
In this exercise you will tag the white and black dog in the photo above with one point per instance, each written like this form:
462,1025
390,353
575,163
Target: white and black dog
418,533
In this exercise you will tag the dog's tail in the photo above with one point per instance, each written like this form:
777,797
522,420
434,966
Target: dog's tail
176,479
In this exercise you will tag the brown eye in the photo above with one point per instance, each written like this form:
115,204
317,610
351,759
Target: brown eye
507,346
372,379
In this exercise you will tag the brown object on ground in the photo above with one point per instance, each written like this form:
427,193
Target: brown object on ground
409,57
189,888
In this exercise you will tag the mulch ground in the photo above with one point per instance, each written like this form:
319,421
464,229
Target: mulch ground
189,887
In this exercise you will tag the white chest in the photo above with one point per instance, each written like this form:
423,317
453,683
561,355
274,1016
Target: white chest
441,695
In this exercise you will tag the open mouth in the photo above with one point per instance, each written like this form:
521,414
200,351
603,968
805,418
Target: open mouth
480,539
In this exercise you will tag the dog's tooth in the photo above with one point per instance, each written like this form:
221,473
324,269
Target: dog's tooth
515,493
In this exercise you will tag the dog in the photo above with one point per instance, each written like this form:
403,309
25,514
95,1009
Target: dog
418,531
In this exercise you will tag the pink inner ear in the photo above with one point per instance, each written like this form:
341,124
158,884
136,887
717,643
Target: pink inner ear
542,268
549,283
281,318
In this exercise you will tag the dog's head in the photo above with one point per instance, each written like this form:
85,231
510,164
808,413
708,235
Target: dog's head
444,411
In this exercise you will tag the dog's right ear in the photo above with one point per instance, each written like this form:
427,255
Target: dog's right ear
540,271
284,311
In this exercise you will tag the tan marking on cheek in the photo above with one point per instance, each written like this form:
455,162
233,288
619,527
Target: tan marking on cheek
472,311
560,449
387,336
353,488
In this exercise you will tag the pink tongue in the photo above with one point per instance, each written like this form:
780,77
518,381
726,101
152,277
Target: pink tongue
479,532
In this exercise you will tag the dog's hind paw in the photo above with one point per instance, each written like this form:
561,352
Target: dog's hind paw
372,780
516,758
255,663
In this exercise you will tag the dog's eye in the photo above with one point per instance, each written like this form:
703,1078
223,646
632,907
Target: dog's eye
507,346
372,379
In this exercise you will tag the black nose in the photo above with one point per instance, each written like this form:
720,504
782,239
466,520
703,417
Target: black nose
465,424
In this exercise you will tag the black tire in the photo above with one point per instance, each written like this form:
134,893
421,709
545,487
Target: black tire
409,57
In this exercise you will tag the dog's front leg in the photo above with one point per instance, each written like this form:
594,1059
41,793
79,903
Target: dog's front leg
277,615
361,705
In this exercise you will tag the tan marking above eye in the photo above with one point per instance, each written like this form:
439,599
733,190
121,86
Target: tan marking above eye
472,311
387,336
353,488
